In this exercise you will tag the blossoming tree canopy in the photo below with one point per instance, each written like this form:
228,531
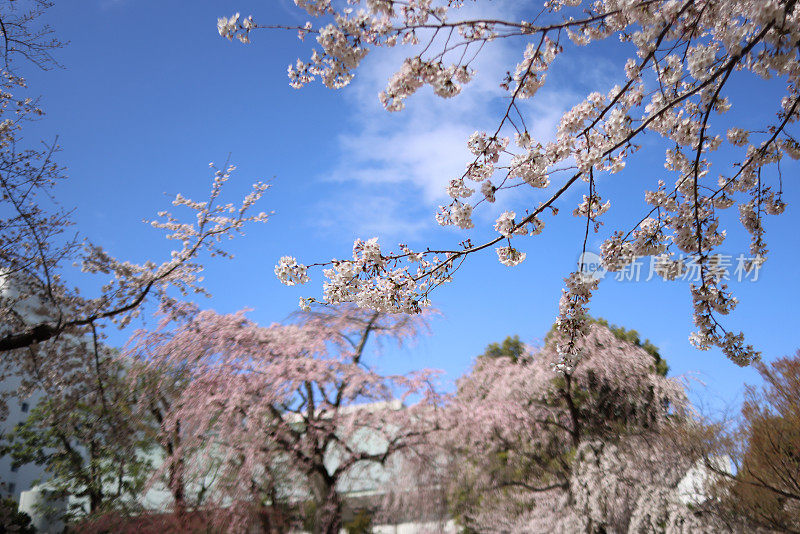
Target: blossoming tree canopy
682,56
288,402
578,452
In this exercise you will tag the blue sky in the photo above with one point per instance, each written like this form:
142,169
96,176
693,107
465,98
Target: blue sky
150,94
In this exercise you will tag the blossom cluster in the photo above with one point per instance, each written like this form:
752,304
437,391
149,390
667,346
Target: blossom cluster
446,81
371,279
289,272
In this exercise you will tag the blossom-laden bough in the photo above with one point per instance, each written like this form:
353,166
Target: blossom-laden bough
46,323
683,55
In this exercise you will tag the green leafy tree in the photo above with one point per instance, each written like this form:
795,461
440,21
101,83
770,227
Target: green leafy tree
92,446
511,347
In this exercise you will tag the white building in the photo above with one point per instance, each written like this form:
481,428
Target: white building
13,481
16,480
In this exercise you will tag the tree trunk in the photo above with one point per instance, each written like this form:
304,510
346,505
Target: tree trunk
95,500
329,515
176,482
96,487
328,510
573,411
176,487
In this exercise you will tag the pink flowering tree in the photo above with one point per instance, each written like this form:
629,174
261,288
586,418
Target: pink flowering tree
291,414
683,59
581,450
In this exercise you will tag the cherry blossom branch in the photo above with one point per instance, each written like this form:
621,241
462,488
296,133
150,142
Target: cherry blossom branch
693,48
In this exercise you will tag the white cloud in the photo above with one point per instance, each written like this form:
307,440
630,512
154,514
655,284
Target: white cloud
417,151
371,215
421,159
